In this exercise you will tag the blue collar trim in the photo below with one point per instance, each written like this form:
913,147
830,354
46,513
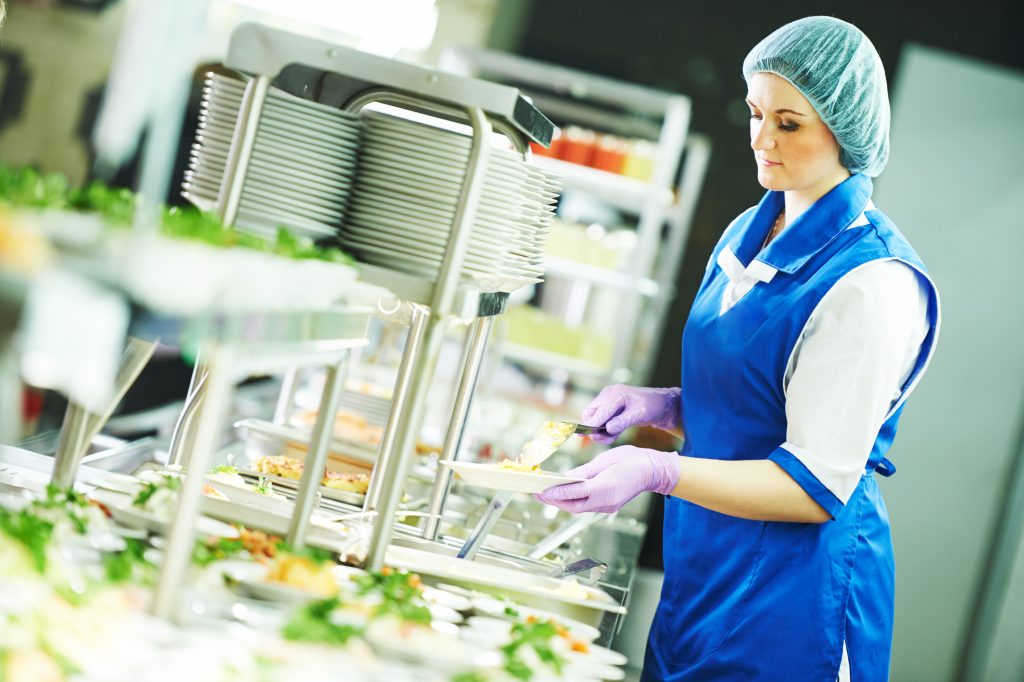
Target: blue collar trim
809,233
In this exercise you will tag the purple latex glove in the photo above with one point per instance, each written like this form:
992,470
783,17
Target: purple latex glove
619,407
614,478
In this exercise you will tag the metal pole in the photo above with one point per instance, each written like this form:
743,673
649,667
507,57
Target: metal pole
316,456
11,426
476,344
181,539
242,143
182,434
397,415
81,426
289,385
70,449
444,295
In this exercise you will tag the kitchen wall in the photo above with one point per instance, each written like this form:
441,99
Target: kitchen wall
955,187
65,53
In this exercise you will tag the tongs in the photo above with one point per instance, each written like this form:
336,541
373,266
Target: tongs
584,430
503,498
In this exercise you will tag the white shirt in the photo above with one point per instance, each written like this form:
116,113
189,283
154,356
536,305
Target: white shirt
846,371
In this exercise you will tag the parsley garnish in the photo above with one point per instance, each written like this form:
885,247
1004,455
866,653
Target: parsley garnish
312,623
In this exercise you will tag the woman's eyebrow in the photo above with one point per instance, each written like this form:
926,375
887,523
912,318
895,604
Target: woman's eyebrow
777,111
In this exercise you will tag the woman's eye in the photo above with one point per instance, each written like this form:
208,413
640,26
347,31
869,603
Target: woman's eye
755,116
789,127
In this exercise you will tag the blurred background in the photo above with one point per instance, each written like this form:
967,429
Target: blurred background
954,185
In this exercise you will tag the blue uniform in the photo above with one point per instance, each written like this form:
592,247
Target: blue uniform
753,600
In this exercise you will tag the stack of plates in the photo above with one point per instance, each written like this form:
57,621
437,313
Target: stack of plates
406,194
302,164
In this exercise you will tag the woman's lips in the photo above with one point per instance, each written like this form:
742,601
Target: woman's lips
768,164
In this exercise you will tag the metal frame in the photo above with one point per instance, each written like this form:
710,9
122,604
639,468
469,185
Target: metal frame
234,352
611,104
366,79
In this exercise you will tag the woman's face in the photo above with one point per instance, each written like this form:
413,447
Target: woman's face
793,148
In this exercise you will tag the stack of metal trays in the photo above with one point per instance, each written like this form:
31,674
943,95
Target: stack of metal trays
406,193
302,166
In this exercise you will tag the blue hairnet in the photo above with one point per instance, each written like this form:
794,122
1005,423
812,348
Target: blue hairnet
836,68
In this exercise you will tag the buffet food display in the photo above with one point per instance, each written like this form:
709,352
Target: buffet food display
76,584
302,548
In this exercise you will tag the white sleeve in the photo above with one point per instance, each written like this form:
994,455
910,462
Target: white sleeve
856,352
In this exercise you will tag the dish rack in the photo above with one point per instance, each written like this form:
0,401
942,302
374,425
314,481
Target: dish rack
423,175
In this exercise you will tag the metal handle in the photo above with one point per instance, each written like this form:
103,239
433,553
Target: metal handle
593,568
486,523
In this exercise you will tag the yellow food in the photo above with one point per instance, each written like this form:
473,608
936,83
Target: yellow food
285,467
210,491
303,573
515,465
353,483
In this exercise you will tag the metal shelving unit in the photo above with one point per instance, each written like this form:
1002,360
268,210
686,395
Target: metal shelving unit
662,206
351,80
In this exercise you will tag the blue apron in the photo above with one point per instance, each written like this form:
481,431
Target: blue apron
753,600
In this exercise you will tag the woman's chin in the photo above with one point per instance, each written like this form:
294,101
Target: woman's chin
770,180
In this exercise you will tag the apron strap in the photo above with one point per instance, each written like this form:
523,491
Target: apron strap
885,467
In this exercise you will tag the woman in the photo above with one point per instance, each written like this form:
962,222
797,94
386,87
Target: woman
813,323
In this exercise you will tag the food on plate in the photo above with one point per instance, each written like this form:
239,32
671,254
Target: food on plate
159,496
291,468
515,465
353,483
279,465
304,573
258,543
210,491
572,589
575,643
228,475
549,437
266,488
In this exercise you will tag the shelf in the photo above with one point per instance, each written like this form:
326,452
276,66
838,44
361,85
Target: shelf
564,267
625,193
548,360
470,300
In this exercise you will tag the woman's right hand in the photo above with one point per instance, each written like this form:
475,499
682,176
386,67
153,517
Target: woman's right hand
619,407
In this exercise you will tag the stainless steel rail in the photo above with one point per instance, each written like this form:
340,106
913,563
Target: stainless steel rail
476,338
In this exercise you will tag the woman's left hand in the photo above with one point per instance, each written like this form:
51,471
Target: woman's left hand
614,478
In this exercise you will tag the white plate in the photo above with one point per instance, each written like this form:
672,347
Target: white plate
337,139
133,517
292,485
408,257
303,182
285,212
120,483
295,172
346,146
319,533
588,668
490,476
333,149
251,498
290,204
522,587
495,607
486,235
269,222
602,655
288,186
416,244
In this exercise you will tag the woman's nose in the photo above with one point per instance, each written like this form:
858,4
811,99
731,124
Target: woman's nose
761,138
